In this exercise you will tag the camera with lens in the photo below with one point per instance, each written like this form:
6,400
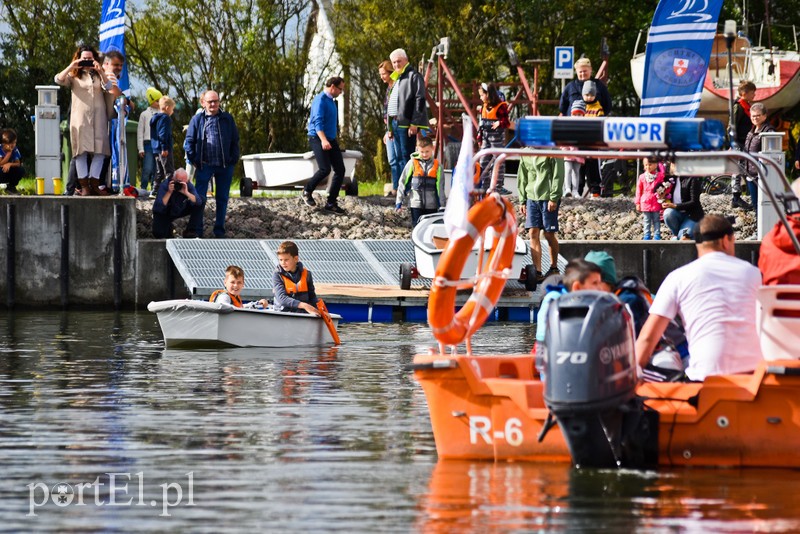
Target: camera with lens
86,63
178,186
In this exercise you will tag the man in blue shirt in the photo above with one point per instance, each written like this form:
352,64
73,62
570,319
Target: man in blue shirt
212,147
323,125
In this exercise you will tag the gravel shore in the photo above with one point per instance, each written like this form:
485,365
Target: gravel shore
590,219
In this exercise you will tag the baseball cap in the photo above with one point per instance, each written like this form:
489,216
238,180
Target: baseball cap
608,269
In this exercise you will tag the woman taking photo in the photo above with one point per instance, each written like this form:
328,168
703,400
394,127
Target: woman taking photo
88,119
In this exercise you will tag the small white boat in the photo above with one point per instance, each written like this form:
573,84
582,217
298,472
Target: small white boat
292,171
776,74
197,323
430,238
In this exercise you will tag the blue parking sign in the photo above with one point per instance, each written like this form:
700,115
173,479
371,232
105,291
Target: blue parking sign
564,62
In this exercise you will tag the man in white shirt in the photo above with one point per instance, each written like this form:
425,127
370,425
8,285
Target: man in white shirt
715,296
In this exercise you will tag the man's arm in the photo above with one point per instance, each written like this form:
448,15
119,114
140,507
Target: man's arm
420,115
140,135
604,97
649,337
235,149
190,143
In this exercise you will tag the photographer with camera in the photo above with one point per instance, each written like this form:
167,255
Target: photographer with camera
176,198
88,118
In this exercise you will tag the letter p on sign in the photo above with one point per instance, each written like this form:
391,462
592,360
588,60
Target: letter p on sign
565,59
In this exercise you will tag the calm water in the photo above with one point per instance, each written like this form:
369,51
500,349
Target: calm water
311,441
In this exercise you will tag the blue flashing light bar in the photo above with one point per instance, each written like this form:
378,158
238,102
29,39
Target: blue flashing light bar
622,132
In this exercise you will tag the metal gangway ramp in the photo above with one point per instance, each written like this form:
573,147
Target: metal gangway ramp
376,262
340,262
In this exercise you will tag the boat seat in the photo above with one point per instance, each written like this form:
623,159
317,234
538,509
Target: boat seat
440,242
778,320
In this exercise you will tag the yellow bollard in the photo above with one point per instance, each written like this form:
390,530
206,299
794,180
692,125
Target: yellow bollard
39,185
57,185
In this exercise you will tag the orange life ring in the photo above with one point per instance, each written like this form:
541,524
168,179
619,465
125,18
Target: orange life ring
449,327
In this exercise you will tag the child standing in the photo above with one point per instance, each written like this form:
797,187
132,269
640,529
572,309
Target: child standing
572,165
492,133
646,199
234,283
10,160
161,140
422,179
292,284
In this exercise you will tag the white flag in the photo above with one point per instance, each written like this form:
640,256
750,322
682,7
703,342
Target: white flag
455,214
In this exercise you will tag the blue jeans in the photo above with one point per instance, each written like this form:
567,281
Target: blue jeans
148,165
752,187
392,157
679,223
404,146
223,176
651,224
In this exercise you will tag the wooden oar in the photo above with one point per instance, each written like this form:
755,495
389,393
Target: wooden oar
326,316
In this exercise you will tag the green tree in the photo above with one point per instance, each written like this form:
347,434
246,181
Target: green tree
33,53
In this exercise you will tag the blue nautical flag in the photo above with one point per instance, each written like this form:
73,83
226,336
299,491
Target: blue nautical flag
676,60
112,34
112,37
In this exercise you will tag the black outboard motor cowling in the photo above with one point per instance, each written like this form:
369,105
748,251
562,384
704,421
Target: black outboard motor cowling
590,374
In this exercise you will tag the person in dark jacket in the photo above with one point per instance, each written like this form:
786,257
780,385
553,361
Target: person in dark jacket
684,211
161,141
752,145
741,126
573,91
407,109
176,198
212,147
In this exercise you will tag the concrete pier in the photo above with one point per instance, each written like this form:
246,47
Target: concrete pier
83,252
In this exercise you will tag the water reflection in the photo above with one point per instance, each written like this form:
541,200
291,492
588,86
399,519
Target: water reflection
481,496
318,439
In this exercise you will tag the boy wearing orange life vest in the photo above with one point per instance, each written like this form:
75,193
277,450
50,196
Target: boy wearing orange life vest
292,284
422,180
234,283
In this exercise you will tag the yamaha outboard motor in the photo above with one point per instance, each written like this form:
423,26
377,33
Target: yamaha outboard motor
590,374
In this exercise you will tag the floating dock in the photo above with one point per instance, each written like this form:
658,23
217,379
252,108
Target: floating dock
357,279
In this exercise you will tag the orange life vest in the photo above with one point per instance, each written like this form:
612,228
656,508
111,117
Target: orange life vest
491,114
300,287
236,300
432,172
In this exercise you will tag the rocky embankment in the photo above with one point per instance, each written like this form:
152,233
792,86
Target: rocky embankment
375,218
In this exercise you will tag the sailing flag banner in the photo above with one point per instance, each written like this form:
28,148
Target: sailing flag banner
112,35
676,60
455,213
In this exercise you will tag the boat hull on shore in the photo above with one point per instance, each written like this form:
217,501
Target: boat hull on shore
200,324
492,408
292,171
776,74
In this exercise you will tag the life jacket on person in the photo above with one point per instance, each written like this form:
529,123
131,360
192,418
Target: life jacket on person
425,183
236,300
489,116
301,286
419,172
